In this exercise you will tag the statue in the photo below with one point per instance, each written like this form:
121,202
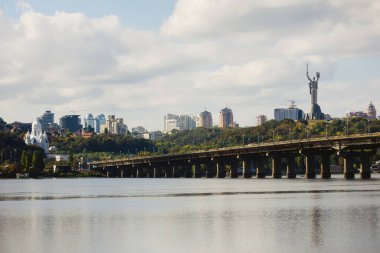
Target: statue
313,85
315,110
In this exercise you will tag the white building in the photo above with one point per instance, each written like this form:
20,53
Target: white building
371,111
37,137
179,122
89,121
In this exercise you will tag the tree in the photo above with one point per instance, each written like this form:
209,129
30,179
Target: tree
37,163
2,124
106,130
90,129
24,160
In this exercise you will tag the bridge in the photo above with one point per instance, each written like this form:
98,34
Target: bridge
263,159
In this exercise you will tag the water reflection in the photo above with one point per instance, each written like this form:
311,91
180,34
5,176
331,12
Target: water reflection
292,222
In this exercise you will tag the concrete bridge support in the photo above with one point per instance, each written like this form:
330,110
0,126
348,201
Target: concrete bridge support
197,169
220,168
234,163
210,169
325,166
276,166
310,168
348,161
291,166
247,164
157,170
260,168
365,166
128,171
187,170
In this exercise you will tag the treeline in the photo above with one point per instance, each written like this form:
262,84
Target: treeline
102,143
17,157
272,130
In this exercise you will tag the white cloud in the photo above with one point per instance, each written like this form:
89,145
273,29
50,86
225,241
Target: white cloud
208,54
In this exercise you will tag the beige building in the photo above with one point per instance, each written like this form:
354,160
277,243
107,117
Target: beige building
205,119
226,118
261,119
116,125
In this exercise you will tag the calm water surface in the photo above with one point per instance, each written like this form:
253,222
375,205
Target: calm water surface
190,215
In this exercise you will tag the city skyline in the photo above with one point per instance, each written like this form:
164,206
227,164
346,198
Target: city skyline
129,60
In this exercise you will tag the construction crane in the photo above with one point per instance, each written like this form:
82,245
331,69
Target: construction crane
292,103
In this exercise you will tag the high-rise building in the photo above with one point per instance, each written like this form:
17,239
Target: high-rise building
371,111
205,119
226,118
179,122
292,113
71,123
116,125
261,119
89,121
47,119
100,123
187,122
171,122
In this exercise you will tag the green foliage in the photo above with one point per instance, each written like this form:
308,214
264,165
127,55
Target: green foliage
102,143
37,163
271,131
3,124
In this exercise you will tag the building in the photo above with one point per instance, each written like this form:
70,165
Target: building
292,112
261,119
226,118
89,121
71,123
47,119
37,136
187,122
371,111
139,130
356,114
100,123
179,122
116,125
205,119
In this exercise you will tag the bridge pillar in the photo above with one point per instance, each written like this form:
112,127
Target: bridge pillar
210,169
365,166
247,164
121,171
310,168
291,166
220,168
260,169
325,166
348,162
176,171
234,167
156,170
276,166
187,173
197,169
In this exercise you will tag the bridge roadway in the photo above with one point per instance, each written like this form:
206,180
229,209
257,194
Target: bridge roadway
267,157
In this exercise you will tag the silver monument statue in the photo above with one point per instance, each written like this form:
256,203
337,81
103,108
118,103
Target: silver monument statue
314,110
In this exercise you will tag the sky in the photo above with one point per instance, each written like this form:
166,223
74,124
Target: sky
141,59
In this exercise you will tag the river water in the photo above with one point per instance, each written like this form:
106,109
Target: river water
190,215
